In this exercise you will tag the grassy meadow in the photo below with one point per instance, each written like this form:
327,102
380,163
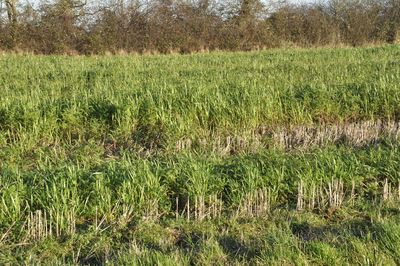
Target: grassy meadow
280,157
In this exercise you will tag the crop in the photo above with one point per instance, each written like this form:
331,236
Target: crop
275,157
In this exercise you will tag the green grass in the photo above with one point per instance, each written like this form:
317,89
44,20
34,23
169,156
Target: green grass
279,157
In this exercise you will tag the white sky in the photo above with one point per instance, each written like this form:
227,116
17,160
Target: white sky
35,2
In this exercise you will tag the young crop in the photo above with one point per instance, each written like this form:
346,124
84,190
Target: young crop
274,157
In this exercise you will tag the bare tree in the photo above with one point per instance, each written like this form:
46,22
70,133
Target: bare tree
61,26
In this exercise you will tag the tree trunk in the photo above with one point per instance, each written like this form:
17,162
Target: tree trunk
12,11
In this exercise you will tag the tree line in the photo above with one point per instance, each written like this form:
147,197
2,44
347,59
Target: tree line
78,26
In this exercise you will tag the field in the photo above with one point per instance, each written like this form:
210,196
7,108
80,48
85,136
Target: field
279,157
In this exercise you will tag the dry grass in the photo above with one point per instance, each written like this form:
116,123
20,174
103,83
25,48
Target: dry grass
355,134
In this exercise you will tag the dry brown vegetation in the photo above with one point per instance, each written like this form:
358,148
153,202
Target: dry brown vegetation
76,27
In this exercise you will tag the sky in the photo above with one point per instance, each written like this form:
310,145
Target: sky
302,1
35,2
291,1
